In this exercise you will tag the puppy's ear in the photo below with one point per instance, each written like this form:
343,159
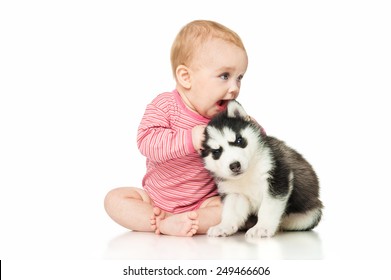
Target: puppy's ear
235,110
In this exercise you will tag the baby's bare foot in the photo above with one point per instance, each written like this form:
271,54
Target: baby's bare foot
158,215
184,224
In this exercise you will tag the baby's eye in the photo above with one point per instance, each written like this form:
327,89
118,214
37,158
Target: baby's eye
224,76
240,78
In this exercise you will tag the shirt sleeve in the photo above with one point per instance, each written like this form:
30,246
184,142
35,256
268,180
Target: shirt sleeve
157,140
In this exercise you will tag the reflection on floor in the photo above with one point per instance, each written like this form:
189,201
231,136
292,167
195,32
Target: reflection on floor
285,245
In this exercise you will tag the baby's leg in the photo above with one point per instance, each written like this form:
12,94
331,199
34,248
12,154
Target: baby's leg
130,207
184,224
209,214
188,223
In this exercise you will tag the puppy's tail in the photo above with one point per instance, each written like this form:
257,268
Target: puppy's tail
302,221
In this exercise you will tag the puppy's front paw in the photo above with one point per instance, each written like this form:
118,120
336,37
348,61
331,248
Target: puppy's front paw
221,230
258,232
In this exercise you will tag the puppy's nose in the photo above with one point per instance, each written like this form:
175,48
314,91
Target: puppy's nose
235,166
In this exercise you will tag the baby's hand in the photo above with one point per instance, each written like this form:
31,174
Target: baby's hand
198,136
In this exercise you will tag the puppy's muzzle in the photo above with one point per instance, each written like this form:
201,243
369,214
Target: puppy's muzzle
235,167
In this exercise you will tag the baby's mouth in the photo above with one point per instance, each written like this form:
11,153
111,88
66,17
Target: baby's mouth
222,104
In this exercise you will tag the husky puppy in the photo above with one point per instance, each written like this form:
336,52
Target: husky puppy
258,175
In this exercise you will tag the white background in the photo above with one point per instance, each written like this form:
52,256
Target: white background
75,77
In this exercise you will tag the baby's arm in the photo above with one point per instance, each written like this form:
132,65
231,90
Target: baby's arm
158,141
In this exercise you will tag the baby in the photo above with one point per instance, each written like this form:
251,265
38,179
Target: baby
179,197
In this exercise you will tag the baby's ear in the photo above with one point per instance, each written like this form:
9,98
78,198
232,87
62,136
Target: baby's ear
183,76
235,110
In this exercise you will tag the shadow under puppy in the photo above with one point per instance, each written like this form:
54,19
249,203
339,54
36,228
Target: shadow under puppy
258,175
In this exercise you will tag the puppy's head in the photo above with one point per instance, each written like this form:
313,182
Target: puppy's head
231,142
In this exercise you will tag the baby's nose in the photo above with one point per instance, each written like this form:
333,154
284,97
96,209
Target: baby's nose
234,89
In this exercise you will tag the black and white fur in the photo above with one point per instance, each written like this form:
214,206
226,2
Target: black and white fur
258,175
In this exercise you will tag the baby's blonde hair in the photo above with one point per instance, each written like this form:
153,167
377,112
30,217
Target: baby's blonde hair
193,35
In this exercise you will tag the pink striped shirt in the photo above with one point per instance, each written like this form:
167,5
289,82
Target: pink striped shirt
176,179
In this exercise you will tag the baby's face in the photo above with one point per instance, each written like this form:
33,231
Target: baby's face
216,74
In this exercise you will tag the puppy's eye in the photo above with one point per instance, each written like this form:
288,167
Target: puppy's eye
216,153
239,142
